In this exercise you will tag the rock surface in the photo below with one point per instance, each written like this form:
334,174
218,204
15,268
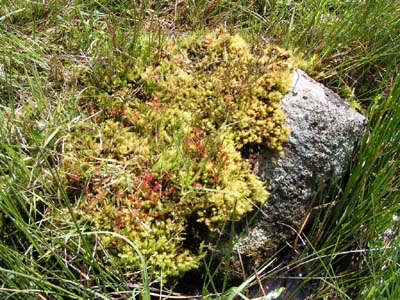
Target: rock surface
324,133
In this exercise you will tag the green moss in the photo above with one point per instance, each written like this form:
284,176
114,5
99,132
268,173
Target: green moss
162,147
218,78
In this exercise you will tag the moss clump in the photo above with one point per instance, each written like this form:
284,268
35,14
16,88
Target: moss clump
224,82
162,147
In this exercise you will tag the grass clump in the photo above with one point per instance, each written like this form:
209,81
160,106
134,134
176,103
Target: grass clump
161,151
77,67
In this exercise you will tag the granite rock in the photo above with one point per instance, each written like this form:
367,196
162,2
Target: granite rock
324,133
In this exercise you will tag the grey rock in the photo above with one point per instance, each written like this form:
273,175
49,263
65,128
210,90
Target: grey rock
324,133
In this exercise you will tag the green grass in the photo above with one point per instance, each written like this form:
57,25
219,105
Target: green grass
352,46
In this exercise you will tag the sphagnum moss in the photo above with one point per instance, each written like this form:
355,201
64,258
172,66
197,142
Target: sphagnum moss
164,146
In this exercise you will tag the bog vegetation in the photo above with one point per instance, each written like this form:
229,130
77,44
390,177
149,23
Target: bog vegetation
162,145
122,125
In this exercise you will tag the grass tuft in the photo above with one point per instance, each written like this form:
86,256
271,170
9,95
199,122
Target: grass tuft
351,246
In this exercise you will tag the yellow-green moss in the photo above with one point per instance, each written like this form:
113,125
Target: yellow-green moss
162,149
219,79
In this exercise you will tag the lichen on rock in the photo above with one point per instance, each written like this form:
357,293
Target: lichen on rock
162,147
